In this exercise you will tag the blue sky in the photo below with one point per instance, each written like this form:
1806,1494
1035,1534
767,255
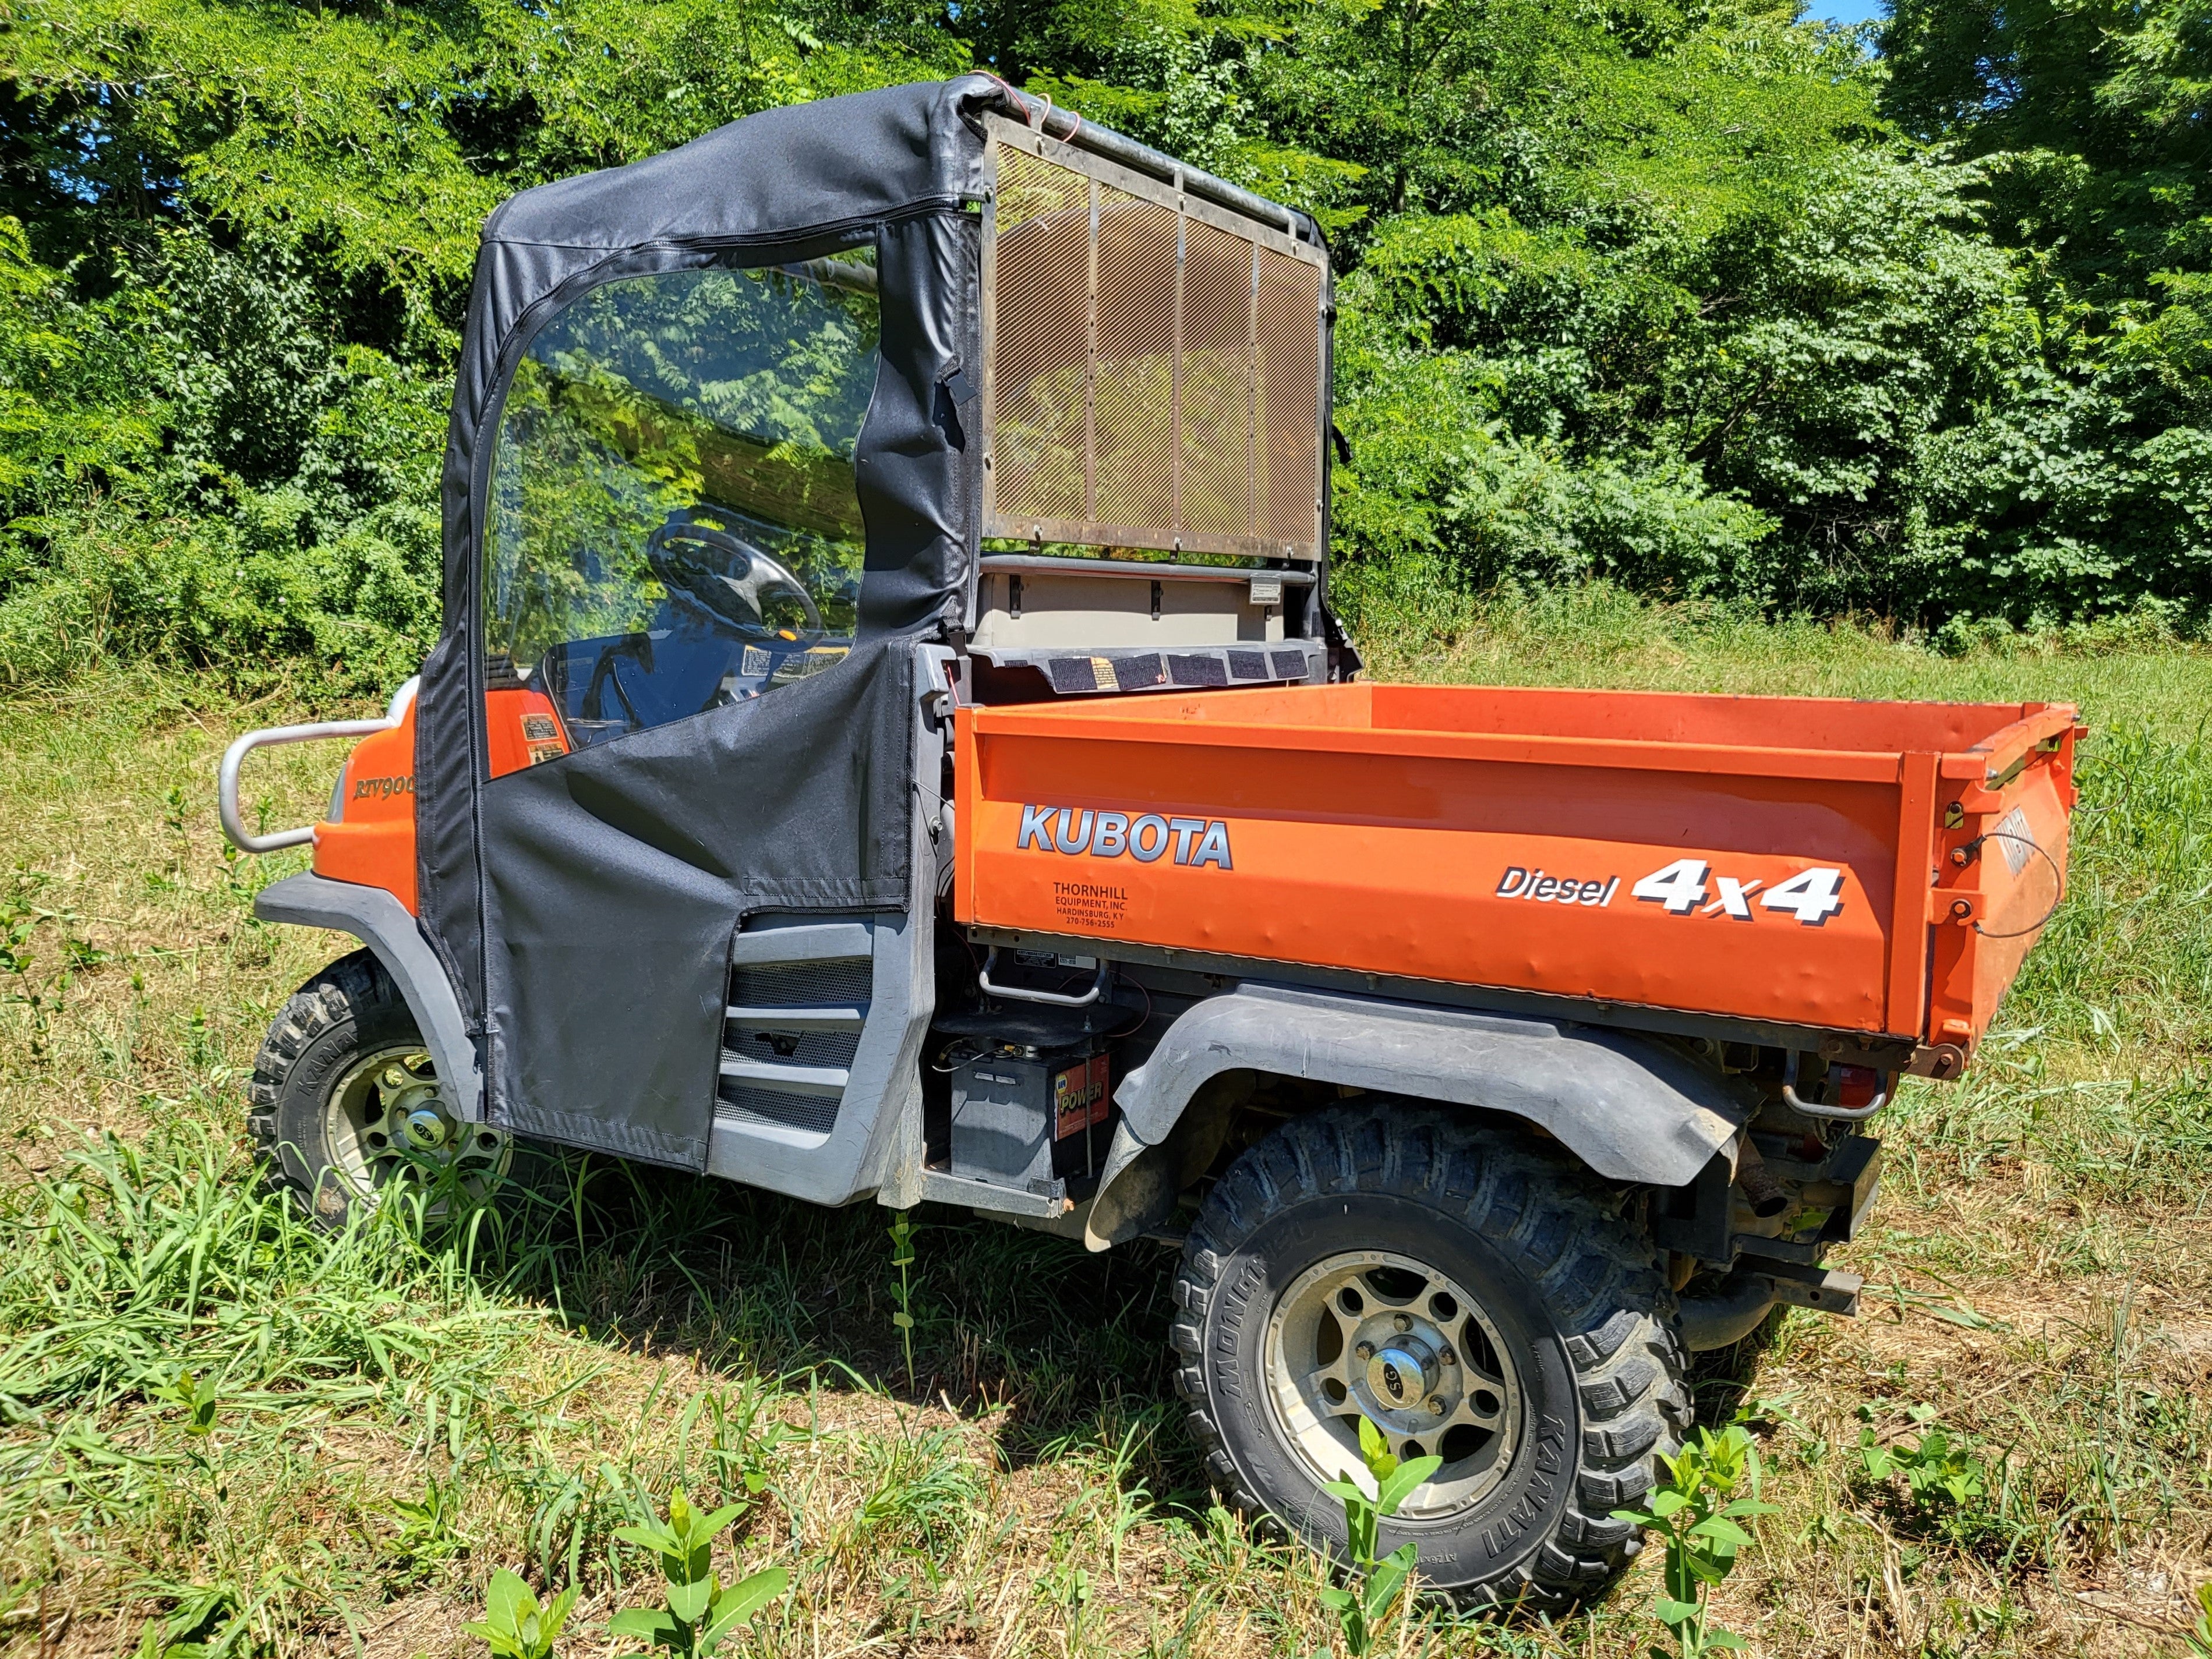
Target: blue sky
1844,11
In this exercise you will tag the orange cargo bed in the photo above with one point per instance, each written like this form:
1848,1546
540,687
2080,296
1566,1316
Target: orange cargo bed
1874,868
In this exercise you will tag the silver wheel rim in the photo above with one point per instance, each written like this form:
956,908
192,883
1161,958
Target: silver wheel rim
386,1115
1376,1335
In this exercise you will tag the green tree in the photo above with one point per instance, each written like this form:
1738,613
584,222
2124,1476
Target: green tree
1698,297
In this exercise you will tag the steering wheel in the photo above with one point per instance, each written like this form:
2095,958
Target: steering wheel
727,578
603,678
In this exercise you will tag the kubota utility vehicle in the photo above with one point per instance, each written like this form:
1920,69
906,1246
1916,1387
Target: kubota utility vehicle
889,739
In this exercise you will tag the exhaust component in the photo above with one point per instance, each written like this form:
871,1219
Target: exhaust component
1767,1196
1728,1314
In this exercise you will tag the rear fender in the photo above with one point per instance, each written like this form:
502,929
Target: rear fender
1633,1111
380,921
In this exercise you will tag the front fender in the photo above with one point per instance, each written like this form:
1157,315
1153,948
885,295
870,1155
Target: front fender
379,920
1633,1111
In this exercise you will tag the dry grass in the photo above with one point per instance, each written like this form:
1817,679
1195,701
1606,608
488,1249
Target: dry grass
2041,1259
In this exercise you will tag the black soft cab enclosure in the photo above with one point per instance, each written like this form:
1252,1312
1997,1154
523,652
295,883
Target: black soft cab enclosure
708,483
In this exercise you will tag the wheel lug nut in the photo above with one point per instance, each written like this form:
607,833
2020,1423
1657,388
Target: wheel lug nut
1436,1403
1448,1357
1403,1322
1365,1350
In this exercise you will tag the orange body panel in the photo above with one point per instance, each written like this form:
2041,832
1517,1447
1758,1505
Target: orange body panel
373,841
1794,856
521,728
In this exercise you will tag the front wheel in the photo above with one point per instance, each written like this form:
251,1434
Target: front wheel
344,1098
1472,1296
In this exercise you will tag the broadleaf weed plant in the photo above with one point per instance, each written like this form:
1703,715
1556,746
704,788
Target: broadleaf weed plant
514,1625
700,1612
206,1618
200,1400
1938,1470
1700,1521
427,1533
902,1287
1946,1484
2199,1635
1366,1609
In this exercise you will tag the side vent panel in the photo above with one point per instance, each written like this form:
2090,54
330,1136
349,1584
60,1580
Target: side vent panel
789,1035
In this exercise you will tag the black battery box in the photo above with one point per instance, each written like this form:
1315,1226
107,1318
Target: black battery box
1032,1117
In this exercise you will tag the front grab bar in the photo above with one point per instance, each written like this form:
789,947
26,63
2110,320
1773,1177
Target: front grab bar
234,757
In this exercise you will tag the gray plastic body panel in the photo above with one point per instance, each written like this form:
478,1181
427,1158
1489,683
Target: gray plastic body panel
379,920
874,1146
846,1162
1630,1110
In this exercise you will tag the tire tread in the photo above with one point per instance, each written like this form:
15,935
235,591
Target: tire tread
1599,1279
355,987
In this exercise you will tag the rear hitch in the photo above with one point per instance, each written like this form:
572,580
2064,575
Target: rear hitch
1740,1302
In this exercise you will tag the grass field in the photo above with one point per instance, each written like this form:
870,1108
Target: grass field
397,1411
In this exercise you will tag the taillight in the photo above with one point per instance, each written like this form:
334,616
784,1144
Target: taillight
1853,1085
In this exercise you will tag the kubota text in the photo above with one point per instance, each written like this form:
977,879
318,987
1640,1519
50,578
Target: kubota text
1144,837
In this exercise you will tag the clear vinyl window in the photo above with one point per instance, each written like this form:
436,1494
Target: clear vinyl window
673,524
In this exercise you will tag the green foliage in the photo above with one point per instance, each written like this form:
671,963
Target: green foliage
1364,1609
901,1231
1939,1485
2199,1635
1700,300
197,1395
212,476
206,1620
428,1525
2093,118
701,1611
514,1625
1938,1472
234,251
1700,1521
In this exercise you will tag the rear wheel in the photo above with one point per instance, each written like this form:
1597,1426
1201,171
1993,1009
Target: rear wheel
1473,1297
344,1097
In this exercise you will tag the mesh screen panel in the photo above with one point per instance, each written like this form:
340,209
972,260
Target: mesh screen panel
742,1102
757,1040
1132,397
1217,382
1040,344
1289,397
802,984
1154,376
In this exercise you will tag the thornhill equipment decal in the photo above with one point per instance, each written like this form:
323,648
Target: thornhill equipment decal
1145,838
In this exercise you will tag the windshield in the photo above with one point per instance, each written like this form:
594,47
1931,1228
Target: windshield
673,525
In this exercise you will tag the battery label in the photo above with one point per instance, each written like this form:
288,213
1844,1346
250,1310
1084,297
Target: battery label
1079,1098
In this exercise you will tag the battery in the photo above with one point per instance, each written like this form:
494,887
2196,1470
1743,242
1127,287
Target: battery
1030,1120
